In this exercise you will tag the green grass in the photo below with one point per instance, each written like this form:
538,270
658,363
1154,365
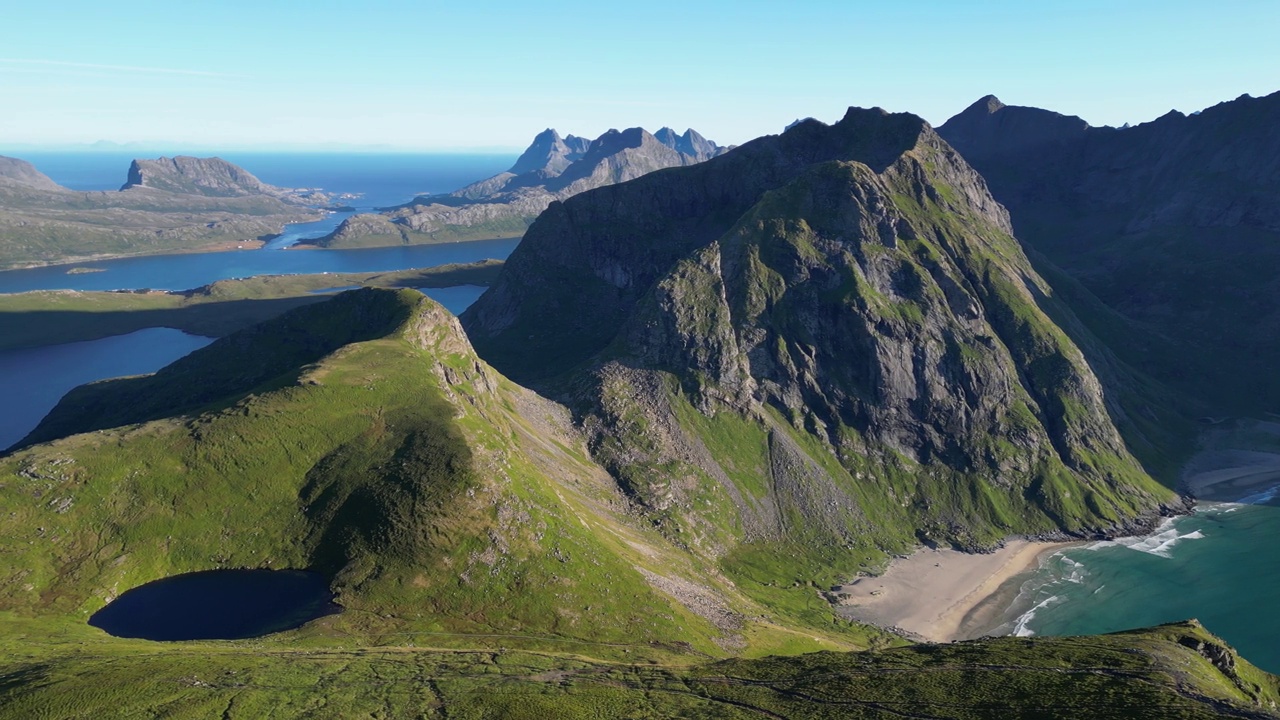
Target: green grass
1153,674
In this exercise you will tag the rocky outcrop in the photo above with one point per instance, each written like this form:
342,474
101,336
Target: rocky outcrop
21,172
550,154
553,168
213,177
1174,224
851,301
169,205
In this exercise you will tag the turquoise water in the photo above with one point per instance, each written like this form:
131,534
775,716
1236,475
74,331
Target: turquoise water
33,380
1220,565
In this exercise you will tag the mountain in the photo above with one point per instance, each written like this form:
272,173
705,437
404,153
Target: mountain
821,348
362,437
213,177
21,172
550,154
551,169
167,206
486,567
1172,224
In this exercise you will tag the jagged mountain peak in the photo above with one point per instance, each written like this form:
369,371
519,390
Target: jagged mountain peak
548,153
989,122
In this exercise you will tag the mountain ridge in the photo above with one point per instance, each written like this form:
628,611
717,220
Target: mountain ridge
551,169
1171,223
816,337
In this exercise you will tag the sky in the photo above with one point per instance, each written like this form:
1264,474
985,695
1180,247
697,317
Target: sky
488,75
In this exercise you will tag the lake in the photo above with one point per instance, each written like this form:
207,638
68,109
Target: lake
192,270
33,380
218,605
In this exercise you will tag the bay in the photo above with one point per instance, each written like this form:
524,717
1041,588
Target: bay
1220,565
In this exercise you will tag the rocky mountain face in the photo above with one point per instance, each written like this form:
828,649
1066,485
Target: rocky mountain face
1173,224
167,205
827,340
213,177
553,168
21,172
550,154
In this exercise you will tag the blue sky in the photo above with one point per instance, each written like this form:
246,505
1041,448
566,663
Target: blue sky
461,75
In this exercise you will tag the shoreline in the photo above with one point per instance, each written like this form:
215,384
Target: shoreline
941,595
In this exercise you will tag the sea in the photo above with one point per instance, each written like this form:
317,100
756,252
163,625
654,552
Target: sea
379,180
1220,565
33,380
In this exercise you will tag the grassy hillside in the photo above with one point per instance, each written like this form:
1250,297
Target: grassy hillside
375,446
1172,672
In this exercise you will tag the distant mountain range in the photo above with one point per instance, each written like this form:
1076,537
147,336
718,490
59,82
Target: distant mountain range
552,168
167,204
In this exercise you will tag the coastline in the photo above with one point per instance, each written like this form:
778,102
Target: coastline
941,595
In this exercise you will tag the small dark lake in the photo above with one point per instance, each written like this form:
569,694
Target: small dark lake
218,605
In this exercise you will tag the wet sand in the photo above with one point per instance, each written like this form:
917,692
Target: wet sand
932,594
1227,475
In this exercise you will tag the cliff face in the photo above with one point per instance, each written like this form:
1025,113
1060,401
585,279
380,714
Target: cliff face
553,168
213,177
830,336
1174,224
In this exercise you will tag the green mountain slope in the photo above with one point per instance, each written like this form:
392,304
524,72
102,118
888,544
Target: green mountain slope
361,437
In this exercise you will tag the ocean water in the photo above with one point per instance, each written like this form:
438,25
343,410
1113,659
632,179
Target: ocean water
383,179
1220,565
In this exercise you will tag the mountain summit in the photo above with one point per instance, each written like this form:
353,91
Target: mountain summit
1174,224
552,168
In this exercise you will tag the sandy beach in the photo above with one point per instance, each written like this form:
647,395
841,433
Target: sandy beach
931,593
